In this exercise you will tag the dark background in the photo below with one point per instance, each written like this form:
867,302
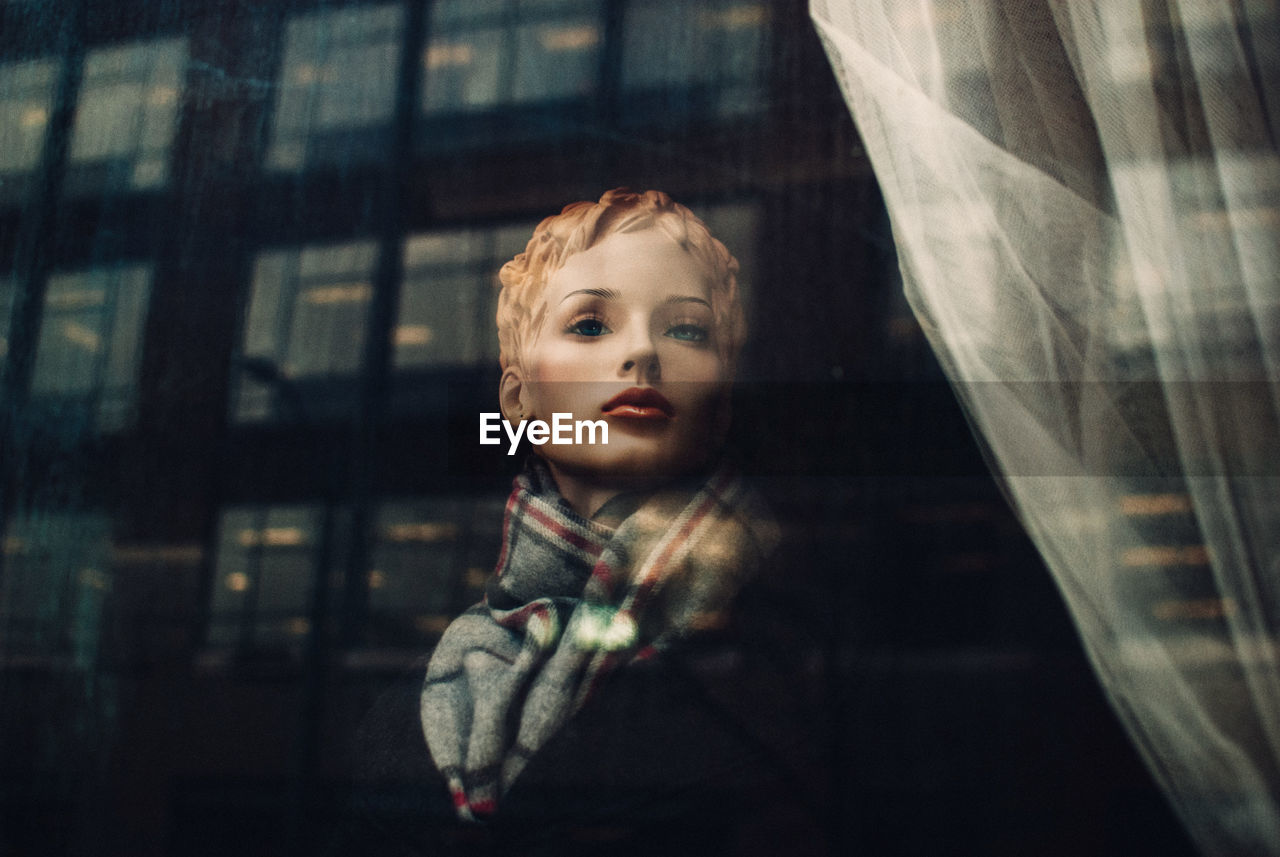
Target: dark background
244,357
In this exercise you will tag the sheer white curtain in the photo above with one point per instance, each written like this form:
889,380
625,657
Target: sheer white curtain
1085,196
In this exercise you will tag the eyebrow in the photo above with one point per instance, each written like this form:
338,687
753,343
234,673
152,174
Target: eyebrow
607,294
614,294
681,299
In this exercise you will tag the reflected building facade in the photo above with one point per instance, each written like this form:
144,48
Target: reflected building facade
248,256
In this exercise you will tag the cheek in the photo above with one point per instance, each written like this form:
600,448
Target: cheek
555,372
568,363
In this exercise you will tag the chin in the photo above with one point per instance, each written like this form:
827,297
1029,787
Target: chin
632,462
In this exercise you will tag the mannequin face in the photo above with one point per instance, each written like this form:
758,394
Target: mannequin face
629,337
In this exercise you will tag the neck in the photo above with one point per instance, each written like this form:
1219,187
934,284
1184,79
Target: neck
585,494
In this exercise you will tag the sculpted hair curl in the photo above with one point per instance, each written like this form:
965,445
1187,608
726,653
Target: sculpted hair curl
582,225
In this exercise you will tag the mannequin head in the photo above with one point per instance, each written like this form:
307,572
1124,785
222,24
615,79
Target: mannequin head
582,225
624,310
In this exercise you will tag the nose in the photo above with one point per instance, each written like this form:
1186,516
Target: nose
641,361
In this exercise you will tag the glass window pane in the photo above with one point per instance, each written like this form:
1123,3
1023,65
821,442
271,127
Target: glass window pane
448,299
69,297
463,70
437,322
108,123
558,60
672,45
430,560
339,78
446,13
307,320
264,574
127,112
483,56
90,335
327,335
419,548
262,329
132,290
26,100
56,575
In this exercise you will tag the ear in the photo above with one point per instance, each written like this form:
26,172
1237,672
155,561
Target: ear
512,396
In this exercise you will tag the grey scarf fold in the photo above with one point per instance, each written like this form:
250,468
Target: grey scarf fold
570,601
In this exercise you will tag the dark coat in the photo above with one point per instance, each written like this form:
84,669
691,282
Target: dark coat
711,748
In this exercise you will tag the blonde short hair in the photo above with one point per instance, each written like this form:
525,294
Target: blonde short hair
582,225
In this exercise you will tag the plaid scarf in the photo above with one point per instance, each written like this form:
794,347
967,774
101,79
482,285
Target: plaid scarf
570,601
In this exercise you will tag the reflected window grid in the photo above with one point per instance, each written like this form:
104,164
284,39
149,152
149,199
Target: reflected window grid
56,577
338,78
1163,573
128,111
264,575
26,103
482,55
1147,299
717,50
431,558
307,321
449,298
90,339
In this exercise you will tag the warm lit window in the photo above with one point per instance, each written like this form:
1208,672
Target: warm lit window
264,576
306,324
26,101
126,115
91,340
449,296
705,56
484,54
337,86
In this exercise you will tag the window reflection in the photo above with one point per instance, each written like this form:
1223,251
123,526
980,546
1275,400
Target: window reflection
483,54
90,340
26,102
56,576
449,297
1223,321
430,560
448,300
737,226
716,49
127,112
338,82
306,322
264,574
7,294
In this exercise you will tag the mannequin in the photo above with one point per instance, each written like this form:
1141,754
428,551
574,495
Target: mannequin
601,680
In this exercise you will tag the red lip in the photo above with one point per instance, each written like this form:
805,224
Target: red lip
643,403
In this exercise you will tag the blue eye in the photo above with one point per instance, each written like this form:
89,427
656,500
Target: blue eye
688,333
588,327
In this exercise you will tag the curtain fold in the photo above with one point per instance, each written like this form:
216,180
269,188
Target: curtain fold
1085,198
